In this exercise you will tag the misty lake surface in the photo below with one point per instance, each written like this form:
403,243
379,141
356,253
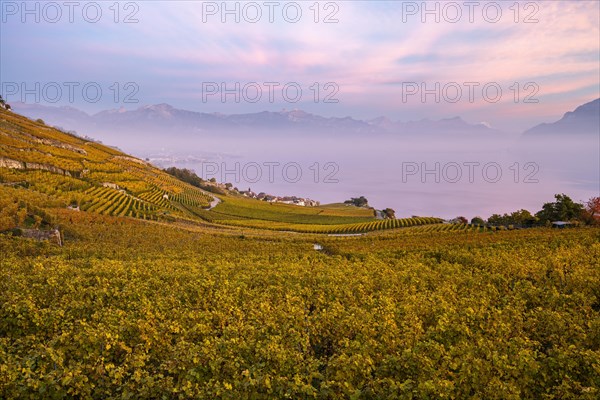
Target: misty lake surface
425,175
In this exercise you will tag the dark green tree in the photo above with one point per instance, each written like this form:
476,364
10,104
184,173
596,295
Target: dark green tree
477,221
358,201
190,177
563,209
522,218
497,219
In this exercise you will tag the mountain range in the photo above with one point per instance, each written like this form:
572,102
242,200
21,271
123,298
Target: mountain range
163,117
160,119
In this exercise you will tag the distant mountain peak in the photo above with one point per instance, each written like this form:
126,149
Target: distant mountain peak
585,119
158,107
296,114
119,110
382,122
381,119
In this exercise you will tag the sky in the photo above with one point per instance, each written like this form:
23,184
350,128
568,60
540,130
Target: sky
509,64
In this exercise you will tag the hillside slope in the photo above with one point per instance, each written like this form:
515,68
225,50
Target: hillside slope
42,167
65,170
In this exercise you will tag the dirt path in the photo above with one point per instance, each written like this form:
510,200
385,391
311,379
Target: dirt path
214,203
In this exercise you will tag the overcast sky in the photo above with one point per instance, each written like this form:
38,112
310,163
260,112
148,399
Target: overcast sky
375,58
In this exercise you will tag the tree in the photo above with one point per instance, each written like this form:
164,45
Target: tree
477,221
190,177
563,209
389,213
522,217
358,201
496,219
4,104
185,175
591,213
461,220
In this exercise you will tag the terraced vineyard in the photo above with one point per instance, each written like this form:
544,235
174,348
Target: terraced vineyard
108,201
92,176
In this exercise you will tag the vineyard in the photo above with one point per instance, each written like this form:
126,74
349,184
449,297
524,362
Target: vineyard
89,176
356,228
243,208
136,309
109,201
